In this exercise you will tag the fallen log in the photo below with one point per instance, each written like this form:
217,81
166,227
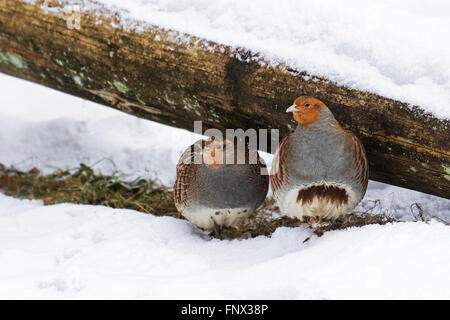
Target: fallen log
175,78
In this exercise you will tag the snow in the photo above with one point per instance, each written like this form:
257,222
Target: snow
395,48
90,252
79,251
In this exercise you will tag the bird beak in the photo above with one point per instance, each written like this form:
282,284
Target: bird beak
292,108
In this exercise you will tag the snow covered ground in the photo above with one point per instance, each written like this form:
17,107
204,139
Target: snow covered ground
396,48
79,251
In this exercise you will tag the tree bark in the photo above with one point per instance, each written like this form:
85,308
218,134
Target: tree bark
174,78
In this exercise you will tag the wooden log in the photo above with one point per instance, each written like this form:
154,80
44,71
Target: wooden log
174,78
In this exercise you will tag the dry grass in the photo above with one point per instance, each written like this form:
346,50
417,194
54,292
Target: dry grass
263,223
83,186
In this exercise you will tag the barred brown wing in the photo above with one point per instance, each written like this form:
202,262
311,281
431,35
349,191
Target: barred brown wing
360,163
278,174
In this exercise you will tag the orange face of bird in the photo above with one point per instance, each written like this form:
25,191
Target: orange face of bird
306,110
213,154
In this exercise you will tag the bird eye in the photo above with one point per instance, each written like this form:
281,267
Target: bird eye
307,105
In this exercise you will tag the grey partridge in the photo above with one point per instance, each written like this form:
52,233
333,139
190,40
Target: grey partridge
320,169
211,192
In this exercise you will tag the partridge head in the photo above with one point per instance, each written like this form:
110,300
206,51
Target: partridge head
307,110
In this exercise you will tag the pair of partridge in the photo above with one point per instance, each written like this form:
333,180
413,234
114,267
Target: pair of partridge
214,188
319,171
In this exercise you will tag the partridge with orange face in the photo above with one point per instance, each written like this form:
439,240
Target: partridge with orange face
211,191
320,169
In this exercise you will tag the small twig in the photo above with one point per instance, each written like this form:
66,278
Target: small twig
418,206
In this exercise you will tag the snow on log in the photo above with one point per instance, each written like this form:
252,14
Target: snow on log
175,78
